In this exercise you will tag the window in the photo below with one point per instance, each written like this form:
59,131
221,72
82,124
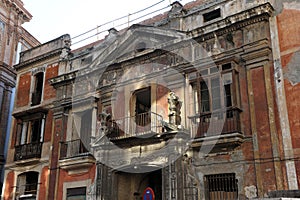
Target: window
213,89
19,49
38,89
221,186
29,137
76,193
30,130
142,106
86,128
27,184
215,98
212,15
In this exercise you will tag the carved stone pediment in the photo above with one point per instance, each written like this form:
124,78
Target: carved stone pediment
136,40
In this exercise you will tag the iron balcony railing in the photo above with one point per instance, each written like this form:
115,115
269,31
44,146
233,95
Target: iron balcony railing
136,126
28,151
72,149
222,122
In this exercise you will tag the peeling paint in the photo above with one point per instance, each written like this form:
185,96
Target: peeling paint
292,73
251,192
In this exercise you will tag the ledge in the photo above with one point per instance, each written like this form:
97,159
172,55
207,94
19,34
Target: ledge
220,142
78,164
25,162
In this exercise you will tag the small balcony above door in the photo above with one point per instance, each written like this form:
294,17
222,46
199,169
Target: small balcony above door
137,127
75,157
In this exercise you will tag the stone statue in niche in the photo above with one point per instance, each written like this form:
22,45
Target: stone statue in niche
174,109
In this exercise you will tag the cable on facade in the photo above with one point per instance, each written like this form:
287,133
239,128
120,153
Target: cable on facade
250,161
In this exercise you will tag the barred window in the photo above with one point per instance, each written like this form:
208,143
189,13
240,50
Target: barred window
221,186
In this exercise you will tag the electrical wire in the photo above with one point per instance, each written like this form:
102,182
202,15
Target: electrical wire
117,19
122,24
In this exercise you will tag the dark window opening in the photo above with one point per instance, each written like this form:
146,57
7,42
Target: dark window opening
212,15
27,184
29,137
143,106
30,130
86,128
214,90
204,92
215,93
36,130
76,193
38,89
221,186
226,66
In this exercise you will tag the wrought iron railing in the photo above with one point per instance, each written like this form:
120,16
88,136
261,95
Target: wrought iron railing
217,123
136,126
73,148
28,151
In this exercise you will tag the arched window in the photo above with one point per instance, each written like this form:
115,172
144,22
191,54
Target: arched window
27,184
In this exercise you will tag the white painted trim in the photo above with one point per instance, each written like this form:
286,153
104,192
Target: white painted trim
282,108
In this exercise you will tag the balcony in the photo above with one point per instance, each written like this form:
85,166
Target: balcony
75,157
141,126
218,128
28,151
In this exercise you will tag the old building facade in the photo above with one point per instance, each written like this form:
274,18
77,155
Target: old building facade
196,103
13,39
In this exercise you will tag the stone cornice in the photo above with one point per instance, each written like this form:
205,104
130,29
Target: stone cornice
18,7
43,57
234,22
7,74
62,78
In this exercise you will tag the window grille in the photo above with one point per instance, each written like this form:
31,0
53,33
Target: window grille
221,186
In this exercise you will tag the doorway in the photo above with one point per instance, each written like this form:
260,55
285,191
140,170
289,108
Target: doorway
132,185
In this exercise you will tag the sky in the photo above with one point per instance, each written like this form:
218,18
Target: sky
53,18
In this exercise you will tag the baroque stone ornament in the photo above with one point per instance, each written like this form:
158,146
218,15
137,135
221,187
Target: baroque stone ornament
174,109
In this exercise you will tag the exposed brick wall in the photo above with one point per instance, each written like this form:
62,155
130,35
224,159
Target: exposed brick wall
9,187
48,127
54,157
43,183
14,133
23,91
289,38
263,128
289,29
49,91
65,177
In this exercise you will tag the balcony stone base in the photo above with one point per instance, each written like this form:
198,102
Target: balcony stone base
78,164
219,143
